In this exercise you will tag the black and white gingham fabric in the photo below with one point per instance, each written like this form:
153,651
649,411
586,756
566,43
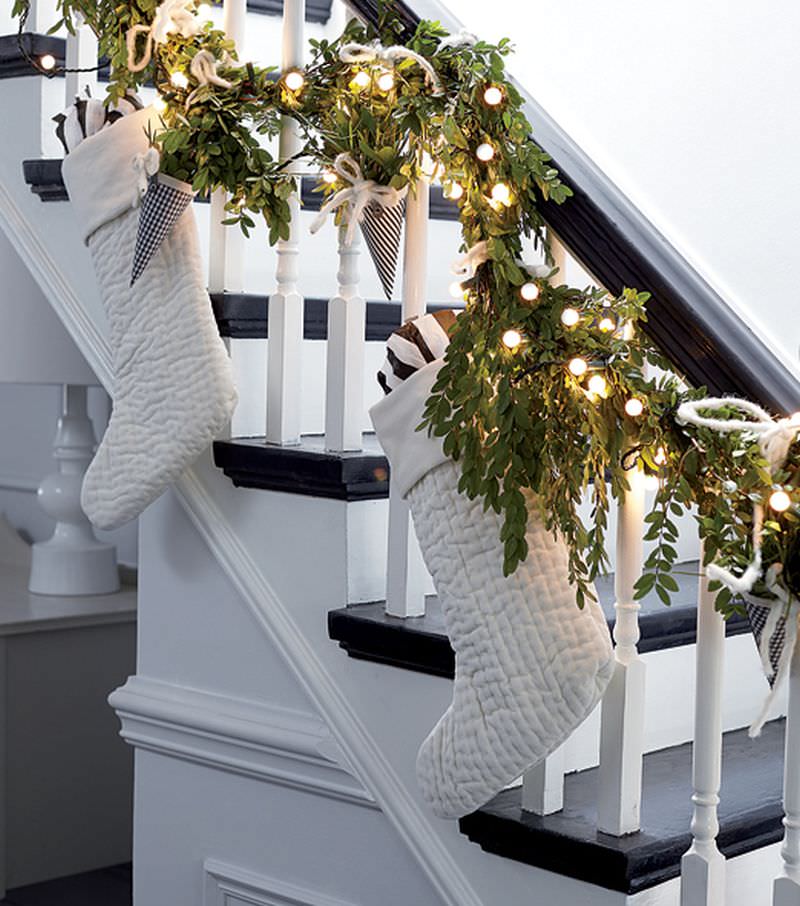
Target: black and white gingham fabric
160,210
88,116
758,617
412,346
382,228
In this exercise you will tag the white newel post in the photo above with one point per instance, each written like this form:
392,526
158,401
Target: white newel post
347,315
81,53
622,722
787,886
226,244
405,572
703,865
285,318
72,561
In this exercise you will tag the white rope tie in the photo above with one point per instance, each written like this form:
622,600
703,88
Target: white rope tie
171,17
145,164
360,193
204,69
375,52
461,38
775,437
465,267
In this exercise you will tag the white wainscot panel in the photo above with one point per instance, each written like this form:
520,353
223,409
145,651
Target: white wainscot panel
225,885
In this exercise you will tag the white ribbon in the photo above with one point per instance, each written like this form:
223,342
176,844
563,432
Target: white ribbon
370,53
461,38
775,437
145,164
204,68
360,193
171,17
465,267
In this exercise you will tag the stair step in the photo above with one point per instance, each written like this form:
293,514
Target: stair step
12,61
306,468
366,632
569,843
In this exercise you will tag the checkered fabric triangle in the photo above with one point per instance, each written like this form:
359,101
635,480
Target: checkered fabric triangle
758,616
382,228
163,203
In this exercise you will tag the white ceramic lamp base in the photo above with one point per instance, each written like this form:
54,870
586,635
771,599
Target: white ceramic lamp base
72,562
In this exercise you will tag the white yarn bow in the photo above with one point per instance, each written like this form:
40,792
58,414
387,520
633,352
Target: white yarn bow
145,164
171,17
775,437
465,267
369,53
360,193
204,68
461,38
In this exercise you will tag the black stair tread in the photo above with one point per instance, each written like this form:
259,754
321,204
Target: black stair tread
568,842
104,887
307,468
365,631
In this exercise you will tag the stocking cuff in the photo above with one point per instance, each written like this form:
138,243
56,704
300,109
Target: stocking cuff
100,175
411,453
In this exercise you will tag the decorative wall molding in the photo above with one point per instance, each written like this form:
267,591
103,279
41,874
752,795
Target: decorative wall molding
266,742
25,483
225,885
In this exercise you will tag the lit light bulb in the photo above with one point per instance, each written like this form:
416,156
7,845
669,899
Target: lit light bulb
386,81
361,79
159,104
660,457
484,152
493,96
455,191
294,80
512,339
329,177
204,12
501,193
780,501
456,289
570,317
651,483
47,61
634,407
606,325
578,367
597,384
179,79
529,292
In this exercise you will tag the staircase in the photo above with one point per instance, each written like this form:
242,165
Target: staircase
272,769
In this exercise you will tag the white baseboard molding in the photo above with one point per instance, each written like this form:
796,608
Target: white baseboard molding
25,483
266,742
225,885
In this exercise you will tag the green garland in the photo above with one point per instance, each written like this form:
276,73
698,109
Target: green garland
544,389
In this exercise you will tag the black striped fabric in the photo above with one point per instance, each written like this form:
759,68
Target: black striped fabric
88,116
160,210
413,345
382,228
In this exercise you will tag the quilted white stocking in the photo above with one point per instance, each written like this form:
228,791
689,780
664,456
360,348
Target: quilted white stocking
530,666
173,388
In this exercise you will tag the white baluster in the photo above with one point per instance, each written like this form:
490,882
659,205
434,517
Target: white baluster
703,866
787,886
81,54
226,244
285,342
543,785
622,721
347,314
406,575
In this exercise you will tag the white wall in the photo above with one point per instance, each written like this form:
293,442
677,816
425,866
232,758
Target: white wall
691,109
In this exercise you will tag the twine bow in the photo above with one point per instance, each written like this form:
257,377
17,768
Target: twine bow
204,69
465,267
775,437
370,53
145,164
171,17
461,38
360,193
